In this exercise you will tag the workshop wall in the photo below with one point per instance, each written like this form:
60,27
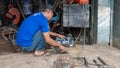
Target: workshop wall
104,21
116,24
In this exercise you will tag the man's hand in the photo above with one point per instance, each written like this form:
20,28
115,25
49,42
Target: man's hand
61,36
50,41
63,49
57,35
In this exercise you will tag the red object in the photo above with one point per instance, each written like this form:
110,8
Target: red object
14,14
83,1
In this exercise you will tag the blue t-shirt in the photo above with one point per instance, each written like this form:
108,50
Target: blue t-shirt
29,27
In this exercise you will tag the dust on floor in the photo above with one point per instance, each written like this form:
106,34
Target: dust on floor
22,60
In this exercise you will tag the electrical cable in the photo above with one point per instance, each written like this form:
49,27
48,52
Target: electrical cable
78,36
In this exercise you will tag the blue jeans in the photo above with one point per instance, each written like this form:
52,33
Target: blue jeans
37,44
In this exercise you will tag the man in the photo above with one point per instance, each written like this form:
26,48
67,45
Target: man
34,33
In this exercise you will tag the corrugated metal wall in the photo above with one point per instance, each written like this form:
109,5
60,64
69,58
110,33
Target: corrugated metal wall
103,33
116,24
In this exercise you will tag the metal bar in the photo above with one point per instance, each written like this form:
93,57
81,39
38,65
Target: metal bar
101,61
19,6
111,22
86,63
97,63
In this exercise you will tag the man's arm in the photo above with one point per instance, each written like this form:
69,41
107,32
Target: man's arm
57,35
50,41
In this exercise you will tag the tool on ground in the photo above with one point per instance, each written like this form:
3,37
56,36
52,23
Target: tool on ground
104,64
86,63
99,65
101,60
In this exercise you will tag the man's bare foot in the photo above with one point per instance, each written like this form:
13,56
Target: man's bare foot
38,53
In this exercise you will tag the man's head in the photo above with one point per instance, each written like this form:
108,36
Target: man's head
48,13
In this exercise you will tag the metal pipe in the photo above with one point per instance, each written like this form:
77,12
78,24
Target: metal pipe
86,63
20,9
101,61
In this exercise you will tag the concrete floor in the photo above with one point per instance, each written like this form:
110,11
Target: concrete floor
21,60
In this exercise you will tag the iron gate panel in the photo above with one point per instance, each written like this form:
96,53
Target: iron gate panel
75,15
